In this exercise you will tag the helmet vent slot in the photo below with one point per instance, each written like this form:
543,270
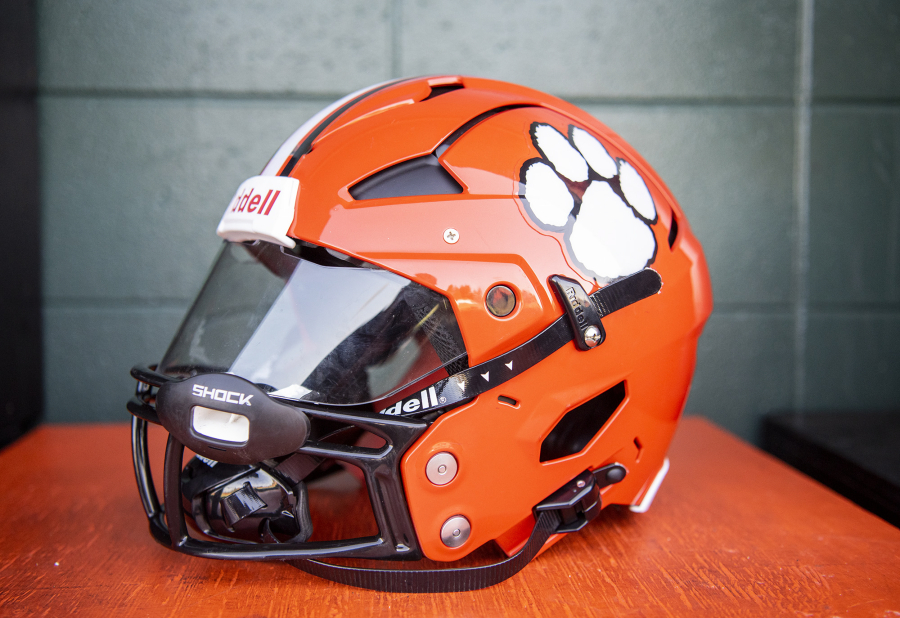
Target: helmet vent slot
437,91
509,401
673,231
579,426
419,176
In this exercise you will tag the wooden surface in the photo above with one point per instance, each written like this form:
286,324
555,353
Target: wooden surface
732,532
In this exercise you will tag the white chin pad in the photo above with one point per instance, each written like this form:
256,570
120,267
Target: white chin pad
220,425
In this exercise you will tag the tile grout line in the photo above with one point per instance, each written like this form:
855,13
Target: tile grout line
802,112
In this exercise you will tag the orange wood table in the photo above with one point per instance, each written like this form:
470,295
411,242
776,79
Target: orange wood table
732,531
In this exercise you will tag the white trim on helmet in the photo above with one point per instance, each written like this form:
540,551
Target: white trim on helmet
284,151
647,500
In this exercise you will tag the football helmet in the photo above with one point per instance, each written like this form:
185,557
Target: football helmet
472,294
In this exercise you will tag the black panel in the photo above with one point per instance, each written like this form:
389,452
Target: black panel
857,454
580,425
20,300
420,176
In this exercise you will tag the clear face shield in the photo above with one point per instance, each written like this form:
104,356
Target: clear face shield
326,329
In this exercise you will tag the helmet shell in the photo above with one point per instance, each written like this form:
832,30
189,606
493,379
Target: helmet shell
487,129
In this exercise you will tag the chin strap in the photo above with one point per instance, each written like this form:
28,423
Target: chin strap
568,509
437,580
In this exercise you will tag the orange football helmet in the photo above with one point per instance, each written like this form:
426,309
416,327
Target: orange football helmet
472,293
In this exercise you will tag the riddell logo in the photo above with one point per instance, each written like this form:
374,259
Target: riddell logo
426,399
217,394
255,203
576,306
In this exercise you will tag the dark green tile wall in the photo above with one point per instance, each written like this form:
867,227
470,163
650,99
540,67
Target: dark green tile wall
152,113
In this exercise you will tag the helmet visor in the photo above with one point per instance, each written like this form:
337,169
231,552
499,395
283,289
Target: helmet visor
341,333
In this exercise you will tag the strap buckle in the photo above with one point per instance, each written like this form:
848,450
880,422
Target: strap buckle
577,502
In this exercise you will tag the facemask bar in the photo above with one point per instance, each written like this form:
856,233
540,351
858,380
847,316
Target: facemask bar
396,539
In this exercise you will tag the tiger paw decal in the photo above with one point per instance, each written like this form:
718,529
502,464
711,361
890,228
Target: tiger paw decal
601,205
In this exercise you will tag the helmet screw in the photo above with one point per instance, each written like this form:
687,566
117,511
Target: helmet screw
451,236
580,484
441,468
592,336
455,531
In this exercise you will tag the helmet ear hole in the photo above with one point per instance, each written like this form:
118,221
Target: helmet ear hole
579,426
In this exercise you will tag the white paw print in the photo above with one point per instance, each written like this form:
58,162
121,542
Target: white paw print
600,204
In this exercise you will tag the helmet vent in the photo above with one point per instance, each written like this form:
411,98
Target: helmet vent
579,426
437,91
419,176
673,231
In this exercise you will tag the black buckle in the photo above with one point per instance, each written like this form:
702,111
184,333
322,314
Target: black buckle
577,502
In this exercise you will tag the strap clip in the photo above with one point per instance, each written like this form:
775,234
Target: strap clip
578,502
582,313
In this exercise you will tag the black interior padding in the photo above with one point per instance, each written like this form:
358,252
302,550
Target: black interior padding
581,424
419,176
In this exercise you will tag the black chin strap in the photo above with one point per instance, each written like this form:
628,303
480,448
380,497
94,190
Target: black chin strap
568,509
438,580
